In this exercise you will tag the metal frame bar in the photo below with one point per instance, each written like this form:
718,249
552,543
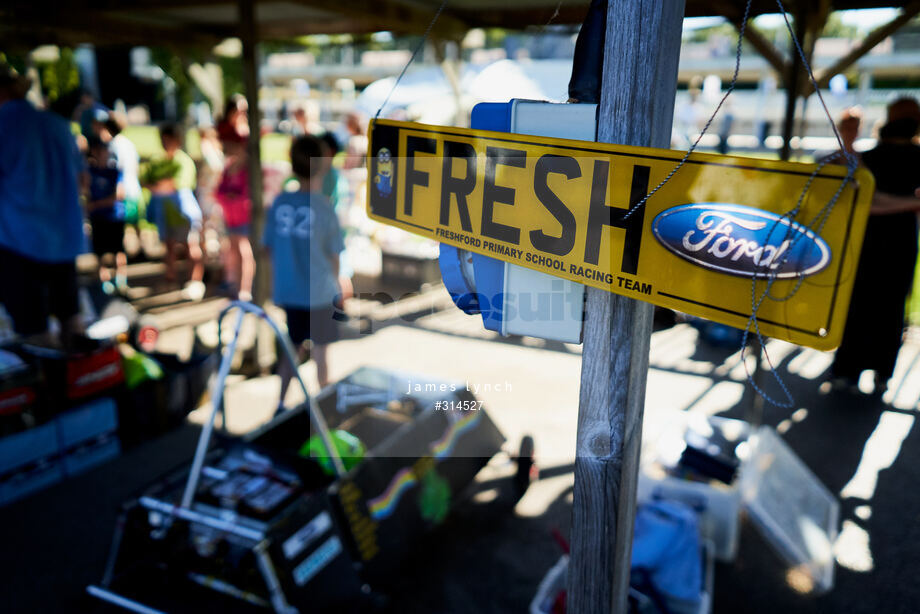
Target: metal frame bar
190,515
225,588
122,602
204,440
275,591
114,548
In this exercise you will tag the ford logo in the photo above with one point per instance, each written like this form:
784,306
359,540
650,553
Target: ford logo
741,240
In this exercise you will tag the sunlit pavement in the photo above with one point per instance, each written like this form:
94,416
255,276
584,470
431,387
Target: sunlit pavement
490,557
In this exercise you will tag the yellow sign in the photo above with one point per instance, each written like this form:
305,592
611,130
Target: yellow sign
697,245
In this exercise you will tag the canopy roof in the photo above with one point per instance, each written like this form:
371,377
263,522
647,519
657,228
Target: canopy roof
204,22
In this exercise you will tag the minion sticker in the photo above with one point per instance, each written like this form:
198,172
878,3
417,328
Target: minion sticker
384,178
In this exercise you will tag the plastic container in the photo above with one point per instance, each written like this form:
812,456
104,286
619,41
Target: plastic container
26,447
20,383
78,376
555,578
794,511
717,504
550,585
91,454
87,422
33,479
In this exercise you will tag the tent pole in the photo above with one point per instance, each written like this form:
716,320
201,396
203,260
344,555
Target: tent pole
793,80
639,79
250,39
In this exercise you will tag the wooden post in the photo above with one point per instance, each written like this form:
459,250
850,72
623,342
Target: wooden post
452,67
814,20
250,38
636,108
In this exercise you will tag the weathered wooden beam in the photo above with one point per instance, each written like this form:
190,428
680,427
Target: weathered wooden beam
641,54
288,30
105,28
394,16
874,38
774,57
451,67
500,16
102,21
116,5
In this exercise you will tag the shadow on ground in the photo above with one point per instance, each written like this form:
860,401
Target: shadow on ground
488,558
56,542
839,435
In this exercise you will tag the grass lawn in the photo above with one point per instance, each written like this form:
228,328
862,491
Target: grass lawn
147,140
913,303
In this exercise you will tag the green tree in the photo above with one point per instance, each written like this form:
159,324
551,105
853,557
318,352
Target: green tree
175,69
835,28
59,78
13,59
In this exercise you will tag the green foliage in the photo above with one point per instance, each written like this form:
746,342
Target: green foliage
233,76
175,69
275,146
701,35
835,28
15,60
495,37
60,77
778,35
913,301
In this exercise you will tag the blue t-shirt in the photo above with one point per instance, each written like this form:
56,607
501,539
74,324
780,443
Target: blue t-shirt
40,215
103,183
303,234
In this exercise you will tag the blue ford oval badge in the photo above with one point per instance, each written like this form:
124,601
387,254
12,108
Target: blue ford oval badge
741,240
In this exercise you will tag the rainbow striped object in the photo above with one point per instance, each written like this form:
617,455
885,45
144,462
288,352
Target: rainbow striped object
383,506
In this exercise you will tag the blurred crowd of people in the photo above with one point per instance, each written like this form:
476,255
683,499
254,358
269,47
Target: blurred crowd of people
55,183
50,180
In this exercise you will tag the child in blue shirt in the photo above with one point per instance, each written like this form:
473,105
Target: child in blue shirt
304,238
105,205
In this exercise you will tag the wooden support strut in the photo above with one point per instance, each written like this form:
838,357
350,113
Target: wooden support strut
641,54
874,38
451,67
765,48
393,16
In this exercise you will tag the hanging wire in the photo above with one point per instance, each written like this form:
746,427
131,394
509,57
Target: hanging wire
811,77
731,88
418,48
552,17
815,226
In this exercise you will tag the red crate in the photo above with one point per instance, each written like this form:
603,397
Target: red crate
89,374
